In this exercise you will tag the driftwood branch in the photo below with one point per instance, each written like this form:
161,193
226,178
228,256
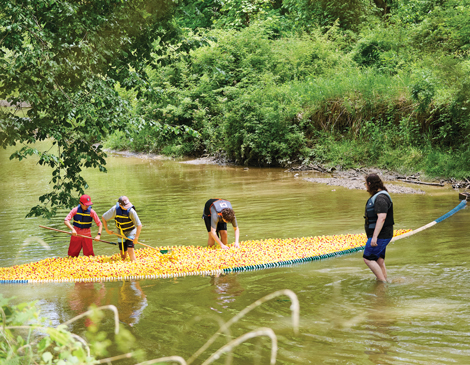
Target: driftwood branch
420,182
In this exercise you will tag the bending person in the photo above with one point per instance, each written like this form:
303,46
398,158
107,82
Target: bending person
378,225
217,213
128,223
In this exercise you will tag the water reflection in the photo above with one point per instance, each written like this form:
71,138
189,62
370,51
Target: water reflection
83,295
226,288
379,324
131,303
128,297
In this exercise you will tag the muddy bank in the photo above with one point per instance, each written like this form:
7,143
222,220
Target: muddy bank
352,183
354,179
203,161
143,155
209,160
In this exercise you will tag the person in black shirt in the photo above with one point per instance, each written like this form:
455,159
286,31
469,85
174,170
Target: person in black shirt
217,213
378,225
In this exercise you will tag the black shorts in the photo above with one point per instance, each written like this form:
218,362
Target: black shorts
127,243
221,226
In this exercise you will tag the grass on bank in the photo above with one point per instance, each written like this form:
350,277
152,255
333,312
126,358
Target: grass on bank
262,99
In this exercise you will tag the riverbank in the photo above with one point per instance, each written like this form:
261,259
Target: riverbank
354,179
348,178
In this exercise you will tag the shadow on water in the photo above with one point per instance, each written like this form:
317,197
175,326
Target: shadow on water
421,316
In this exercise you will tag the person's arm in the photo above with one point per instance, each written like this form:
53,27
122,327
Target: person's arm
214,236
237,236
378,227
137,234
98,223
110,214
214,222
137,223
67,221
105,225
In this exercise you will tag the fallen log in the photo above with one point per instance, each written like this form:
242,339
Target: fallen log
422,183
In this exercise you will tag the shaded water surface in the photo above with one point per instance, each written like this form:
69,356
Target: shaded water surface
421,317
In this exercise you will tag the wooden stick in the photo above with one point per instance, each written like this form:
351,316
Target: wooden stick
78,235
143,244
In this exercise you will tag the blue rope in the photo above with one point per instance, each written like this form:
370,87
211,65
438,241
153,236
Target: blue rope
462,205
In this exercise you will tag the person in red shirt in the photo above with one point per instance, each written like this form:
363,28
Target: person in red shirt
83,216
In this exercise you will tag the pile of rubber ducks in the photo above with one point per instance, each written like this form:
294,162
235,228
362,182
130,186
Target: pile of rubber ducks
176,261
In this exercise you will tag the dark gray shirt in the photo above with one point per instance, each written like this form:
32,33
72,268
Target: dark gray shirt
382,205
217,218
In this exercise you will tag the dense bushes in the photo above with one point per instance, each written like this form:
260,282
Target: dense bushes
280,87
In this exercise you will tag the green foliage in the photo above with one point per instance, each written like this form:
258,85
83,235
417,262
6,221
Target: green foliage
436,25
197,14
261,127
64,58
238,14
259,81
423,92
26,338
21,342
412,11
206,93
262,97
296,15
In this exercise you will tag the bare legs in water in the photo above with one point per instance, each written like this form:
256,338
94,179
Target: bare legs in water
378,268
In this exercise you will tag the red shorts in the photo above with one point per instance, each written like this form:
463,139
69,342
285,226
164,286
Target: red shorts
77,243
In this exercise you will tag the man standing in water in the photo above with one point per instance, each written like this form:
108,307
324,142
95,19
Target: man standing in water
128,223
217,213
83,217
378,225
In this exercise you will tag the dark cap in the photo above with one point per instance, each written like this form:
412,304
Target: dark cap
124,202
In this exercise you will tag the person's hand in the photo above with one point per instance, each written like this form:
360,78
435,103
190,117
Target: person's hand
74,232
237,245
97,238
223,247
373,242
136,241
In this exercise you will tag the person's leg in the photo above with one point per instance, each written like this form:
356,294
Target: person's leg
131,253
224,237
372,255
376,269
123,254
75,246
381,263
88,247
207,222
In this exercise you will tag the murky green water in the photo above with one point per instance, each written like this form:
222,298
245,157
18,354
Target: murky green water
421,317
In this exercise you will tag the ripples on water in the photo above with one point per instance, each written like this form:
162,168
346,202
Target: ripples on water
421,317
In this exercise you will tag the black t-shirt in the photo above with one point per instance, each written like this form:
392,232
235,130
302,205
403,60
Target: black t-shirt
382,205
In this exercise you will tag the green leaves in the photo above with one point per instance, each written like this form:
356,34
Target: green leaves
63,59
26,339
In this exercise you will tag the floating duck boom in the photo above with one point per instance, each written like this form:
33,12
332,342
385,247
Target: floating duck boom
178,261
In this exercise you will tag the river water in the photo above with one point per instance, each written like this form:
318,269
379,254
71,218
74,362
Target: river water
421,317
